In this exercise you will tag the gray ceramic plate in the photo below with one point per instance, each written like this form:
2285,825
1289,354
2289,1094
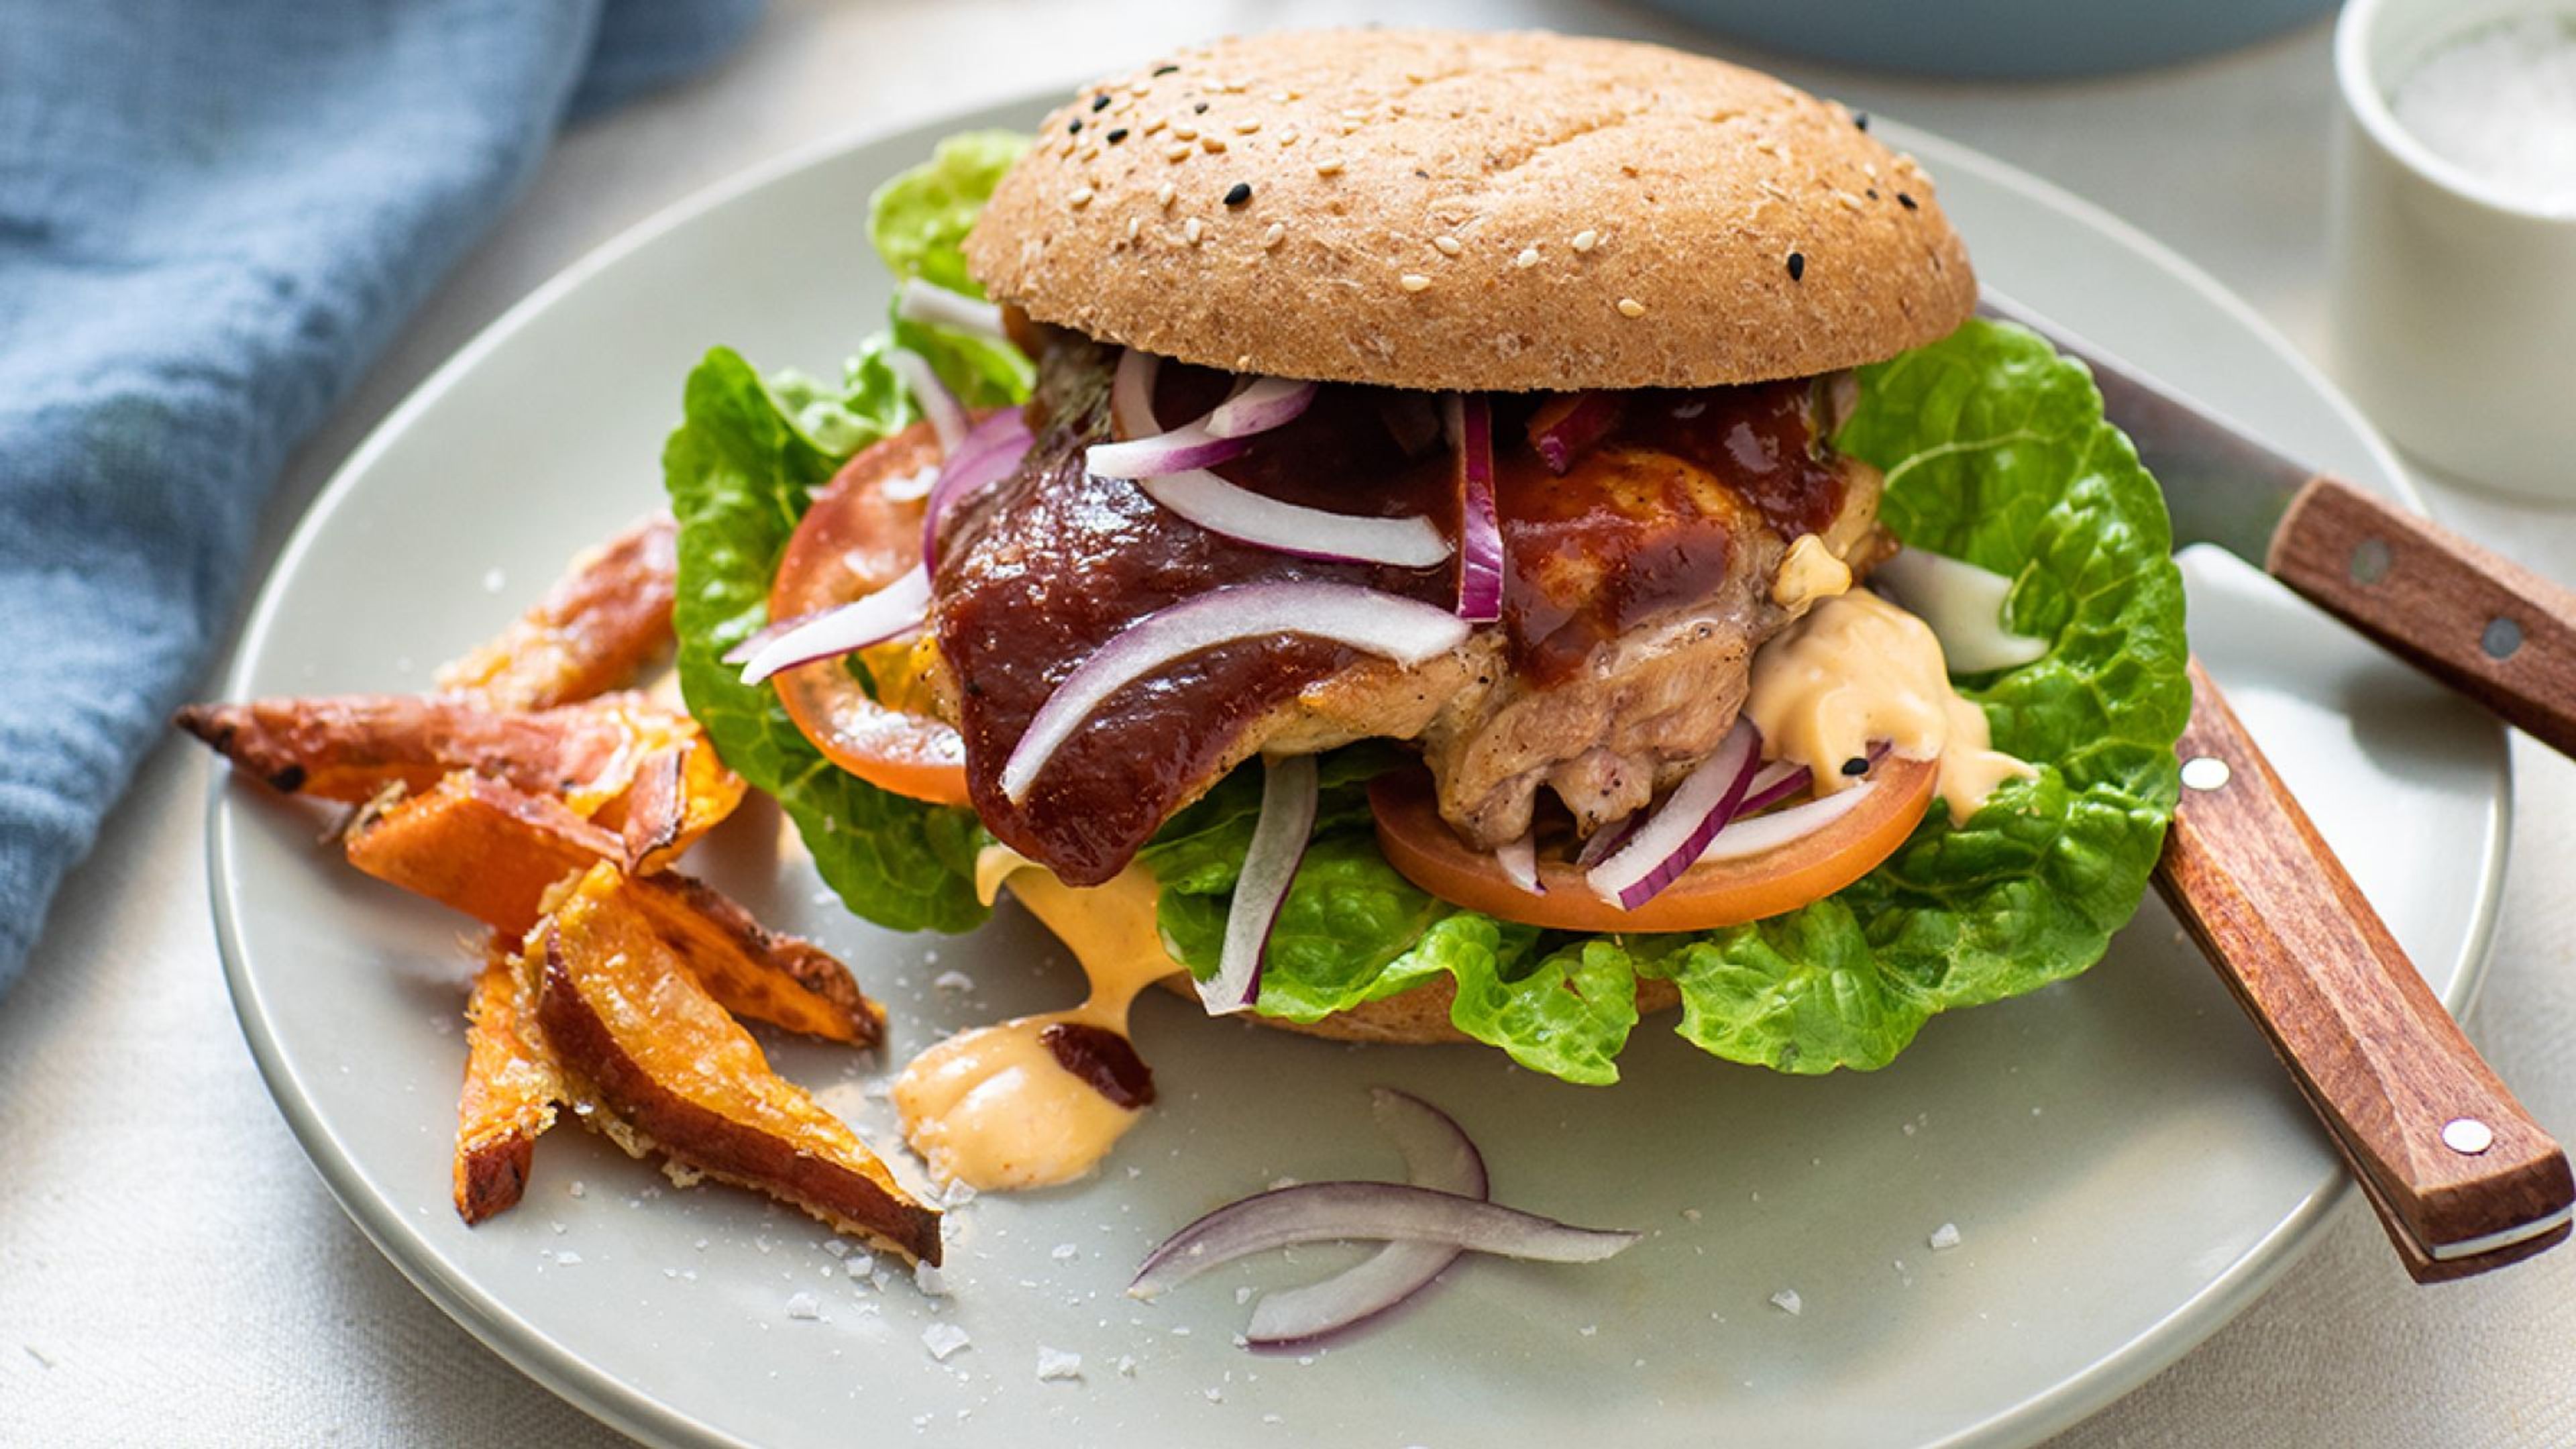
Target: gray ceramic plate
2124,1163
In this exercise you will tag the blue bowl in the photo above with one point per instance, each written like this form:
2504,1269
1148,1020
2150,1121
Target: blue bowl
1999,39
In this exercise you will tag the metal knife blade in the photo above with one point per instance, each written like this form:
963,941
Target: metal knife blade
2221,486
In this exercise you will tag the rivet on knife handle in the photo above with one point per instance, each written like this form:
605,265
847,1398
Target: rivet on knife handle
2461,1176
2478,622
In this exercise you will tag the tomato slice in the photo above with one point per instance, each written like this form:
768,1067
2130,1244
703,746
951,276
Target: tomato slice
1425,851
854,540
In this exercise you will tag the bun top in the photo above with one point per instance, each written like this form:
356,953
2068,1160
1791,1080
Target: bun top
1489,212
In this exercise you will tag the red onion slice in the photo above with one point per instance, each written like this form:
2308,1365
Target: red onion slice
990,452
1131,394
1673,837
1480,533
1269,402
1438,1154
936,306
1151,456
1269,867
1770,832
947,415
1369,620
1564,428
1608,838
898,608
1774,782
1519,861
1293,529
1326,1212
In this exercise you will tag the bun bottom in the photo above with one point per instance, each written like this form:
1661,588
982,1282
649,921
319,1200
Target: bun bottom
1419,1017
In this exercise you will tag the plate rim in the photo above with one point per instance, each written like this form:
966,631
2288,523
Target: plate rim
631,1410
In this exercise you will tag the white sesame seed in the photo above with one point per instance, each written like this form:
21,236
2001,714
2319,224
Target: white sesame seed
1080,198
1448,245
1155,126
1213,143
1277,233
1135,225
1631,307
1163,195
1192,230
1413,281
1288,136
1246,128
1527,258
1586,240
1328,168
1177,153
1185,132
1279,98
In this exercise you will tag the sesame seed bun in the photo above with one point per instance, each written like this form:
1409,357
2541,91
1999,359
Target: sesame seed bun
1492,212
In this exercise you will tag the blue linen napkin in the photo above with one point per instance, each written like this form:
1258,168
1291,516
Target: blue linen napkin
212,215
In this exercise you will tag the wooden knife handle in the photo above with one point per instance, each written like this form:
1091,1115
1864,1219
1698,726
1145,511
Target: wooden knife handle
2461,1176
2479,622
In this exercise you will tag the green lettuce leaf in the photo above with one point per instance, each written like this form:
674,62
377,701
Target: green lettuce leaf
1996,452
741,469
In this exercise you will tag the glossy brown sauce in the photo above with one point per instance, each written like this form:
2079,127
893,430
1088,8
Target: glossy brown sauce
1049,565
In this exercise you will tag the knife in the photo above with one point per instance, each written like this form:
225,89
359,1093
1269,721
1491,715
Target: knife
2480,623
2461,1176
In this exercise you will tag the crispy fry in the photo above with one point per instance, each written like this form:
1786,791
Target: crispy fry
478,846
511,1086
680,793
604,621
350,747
631,1025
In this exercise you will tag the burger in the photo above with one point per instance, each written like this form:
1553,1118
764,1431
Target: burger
1431,537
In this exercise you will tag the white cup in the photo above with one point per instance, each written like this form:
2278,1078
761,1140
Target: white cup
2454,308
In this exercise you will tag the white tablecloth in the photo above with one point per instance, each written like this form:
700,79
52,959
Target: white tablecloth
172,1271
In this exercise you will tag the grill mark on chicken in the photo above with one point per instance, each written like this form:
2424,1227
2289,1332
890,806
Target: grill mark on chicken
1637,588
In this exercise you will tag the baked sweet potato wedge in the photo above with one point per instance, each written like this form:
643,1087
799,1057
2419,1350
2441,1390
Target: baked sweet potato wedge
636,1032
478,846
680,792
511,1086
604,622
353,747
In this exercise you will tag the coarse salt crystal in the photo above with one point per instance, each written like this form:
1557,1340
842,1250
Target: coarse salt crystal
567,1257
944,1340
953,981
2499,102
1944,1237
929,1280
1788,1301
1065,1252
1057,1364
804,1305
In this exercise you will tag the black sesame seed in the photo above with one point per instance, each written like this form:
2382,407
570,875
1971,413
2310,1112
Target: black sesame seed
1199,109
1073,127
1165,69
1905,201
1797,266
1100,102
1114,135
1239,193
1873,193
1861,119
1856,765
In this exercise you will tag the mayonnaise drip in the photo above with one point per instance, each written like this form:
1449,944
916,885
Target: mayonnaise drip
1808,572
1856,668
992,1107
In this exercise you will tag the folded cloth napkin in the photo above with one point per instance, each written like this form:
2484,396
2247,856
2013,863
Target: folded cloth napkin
212,214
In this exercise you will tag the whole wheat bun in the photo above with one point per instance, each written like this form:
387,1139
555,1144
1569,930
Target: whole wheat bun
1490,212
1416,1017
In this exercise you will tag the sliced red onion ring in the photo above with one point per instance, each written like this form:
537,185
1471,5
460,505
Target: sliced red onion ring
935,305
1608,838
1293,529
1189,446
1369,620
1673,837
1268,403
898,608
1480,533
991,451
1564,428
1269,867
1438,1155
1326,1212
1131,394
947,415
1776,781
1519,861
1769,832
